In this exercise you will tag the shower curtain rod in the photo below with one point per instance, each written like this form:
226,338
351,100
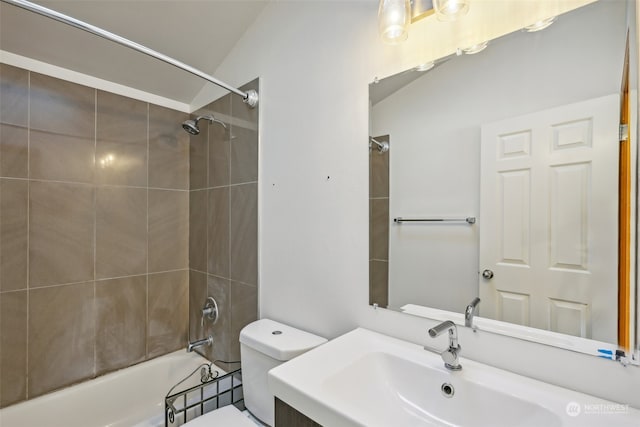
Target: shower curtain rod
250,97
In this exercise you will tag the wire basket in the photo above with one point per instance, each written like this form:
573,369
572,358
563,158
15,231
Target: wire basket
188,404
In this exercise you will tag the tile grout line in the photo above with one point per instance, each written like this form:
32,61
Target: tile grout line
28,228
207,215
104,279
89,184
95,232
230,293
146,323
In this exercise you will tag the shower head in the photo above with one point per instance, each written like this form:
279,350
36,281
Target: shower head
191,126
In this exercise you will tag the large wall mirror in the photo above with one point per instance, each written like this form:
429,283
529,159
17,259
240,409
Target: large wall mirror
501,175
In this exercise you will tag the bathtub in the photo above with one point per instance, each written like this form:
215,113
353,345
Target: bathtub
130,397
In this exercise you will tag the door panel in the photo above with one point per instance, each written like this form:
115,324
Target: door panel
548,219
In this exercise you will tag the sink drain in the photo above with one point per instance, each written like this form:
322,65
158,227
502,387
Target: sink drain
447,390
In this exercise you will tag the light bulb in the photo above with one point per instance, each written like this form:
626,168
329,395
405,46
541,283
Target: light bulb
393,20
450,10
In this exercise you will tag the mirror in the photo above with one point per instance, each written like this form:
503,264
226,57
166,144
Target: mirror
497,174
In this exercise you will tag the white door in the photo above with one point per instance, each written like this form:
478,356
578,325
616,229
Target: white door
549,219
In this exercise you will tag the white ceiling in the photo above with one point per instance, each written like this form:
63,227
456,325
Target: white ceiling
199,33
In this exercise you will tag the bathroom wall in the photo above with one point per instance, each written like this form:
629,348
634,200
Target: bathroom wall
223,234
94,208
379,224
314,175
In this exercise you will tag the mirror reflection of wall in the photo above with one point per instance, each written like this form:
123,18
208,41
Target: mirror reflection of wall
379,220
434,120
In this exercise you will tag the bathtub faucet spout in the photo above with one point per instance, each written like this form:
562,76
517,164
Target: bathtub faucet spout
199,343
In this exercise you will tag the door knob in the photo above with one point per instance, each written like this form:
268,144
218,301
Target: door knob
487,274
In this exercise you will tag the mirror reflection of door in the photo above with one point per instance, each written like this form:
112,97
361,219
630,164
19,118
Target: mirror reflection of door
549,222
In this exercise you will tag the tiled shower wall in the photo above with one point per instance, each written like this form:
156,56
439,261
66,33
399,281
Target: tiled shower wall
379,225
223,241
94,217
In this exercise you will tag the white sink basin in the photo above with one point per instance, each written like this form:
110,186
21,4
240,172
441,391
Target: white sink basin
368,379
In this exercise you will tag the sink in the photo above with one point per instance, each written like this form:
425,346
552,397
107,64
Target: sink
395,391
364,378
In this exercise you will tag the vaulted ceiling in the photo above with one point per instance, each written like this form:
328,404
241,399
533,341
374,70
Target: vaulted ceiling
200,33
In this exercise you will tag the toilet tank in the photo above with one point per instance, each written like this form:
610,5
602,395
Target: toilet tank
265,344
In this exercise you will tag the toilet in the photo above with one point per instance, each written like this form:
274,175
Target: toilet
264,344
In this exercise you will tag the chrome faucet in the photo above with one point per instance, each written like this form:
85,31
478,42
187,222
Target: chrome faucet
469,312
450,355
199,343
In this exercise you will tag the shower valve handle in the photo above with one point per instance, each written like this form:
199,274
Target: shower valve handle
209,311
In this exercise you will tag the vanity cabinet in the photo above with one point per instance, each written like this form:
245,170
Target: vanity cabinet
287,416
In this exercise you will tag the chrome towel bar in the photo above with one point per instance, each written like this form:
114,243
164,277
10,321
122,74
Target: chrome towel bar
468,220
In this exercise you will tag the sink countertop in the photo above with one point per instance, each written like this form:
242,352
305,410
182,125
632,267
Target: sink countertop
364,378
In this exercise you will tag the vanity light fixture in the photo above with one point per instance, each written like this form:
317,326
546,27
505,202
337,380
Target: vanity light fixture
394,16
539,25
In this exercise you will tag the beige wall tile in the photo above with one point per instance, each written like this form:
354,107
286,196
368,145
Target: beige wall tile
168,328
244,154
121,231
379,283
218,232
14,200
198,155
198,230
121,135
168,149
61,336
219,147
121,321
244,233
219,289
14,92
60,233
197,297
59,211
58,157
244,310
168,230
13,347
379,229
14,151
61,107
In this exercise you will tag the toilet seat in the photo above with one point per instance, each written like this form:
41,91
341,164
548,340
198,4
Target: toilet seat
227,416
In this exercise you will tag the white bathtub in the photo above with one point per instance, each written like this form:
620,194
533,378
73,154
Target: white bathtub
130,397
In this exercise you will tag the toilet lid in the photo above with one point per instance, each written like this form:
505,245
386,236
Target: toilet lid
228,416
278,341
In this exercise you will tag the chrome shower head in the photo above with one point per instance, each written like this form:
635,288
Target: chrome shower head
191,126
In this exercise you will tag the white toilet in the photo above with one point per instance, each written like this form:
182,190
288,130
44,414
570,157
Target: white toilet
264,344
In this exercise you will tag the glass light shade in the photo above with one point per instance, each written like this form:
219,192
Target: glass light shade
450,10
394,17
540,25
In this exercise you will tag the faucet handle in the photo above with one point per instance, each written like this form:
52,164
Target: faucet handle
210,311
450,358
